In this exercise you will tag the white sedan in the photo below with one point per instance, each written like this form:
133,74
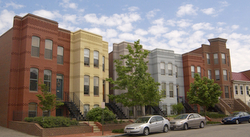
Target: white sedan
148,124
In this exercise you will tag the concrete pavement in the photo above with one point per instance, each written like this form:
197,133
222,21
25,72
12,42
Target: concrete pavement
6,132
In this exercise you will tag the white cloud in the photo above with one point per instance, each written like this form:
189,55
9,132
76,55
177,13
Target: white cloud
234,27
152,13
6,20
110,33
133,8
96,31
70,18
205,26
141,32
47,14
224,3
221,23
186,10
184,23
14,5
208,11
68,4
175,34
114,20
125,27
171,22
158,28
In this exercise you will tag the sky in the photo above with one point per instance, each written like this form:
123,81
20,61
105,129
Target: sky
177,25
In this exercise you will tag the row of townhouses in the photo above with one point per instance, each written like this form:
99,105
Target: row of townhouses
75,65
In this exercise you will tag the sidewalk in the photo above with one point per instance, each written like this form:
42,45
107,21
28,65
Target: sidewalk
6,132
96,134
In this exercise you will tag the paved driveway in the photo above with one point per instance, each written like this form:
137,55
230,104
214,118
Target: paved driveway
6,132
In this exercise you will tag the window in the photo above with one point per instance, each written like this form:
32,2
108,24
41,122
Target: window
209,74
195,108
170,69
86,85
171,110
171,90
35,46
33,79
46,113
139,110
192,71
236,90
96,59
217,75
199,70
176,71
48,49
47,79
247,90
241,90
59,55
165,109
215,58
32,109
223,58
103,63
86,109
163,88
208,59
225,74
96,105
162,65
226,92
96,86
86,57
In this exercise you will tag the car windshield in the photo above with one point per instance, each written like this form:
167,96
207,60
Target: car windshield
234,115
142,120
183,116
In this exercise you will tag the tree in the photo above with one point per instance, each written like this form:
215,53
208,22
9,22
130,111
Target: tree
141,88
177,108
204,92
48,100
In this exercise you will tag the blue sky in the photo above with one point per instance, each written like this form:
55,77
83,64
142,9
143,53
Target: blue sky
173,25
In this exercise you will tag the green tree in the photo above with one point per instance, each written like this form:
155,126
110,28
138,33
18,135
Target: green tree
48,100
177,108
141,88
204,92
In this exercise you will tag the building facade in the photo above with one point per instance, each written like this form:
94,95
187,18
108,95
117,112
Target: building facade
241,86
89,69
34,50
166,68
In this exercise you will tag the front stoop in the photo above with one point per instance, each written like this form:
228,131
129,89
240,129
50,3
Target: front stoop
95,128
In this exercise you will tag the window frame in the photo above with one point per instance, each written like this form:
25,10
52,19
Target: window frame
60,56
236,89
208,58
192,71
96,59
241,90
216,58
176,71
163,88
47,81
33,47
96,86
226,91
225,75
103,63
170,69
199,70
223,60
171,90
209,74
217,77
162,67
32,111
86,85
36,80
48,51
86,57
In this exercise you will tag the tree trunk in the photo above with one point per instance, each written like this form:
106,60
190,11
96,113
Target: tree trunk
143,110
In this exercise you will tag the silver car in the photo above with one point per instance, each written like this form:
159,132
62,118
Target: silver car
148,124
185,121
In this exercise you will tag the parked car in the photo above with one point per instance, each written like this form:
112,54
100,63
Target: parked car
187,120
236,118
148,124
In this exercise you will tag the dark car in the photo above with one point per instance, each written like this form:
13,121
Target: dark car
236,118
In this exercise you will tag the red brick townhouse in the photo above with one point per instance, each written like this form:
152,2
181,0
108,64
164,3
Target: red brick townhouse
33,49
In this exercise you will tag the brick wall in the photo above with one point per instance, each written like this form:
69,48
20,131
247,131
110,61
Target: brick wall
35,129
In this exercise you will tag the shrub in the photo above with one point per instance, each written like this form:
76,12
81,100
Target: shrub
214,115
118,131
95,114
50,122
177,108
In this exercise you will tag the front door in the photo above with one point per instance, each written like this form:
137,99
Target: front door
59,86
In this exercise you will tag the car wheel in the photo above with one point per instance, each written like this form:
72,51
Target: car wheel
145,131
248,120
165,129
185,126
237,121
202,124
